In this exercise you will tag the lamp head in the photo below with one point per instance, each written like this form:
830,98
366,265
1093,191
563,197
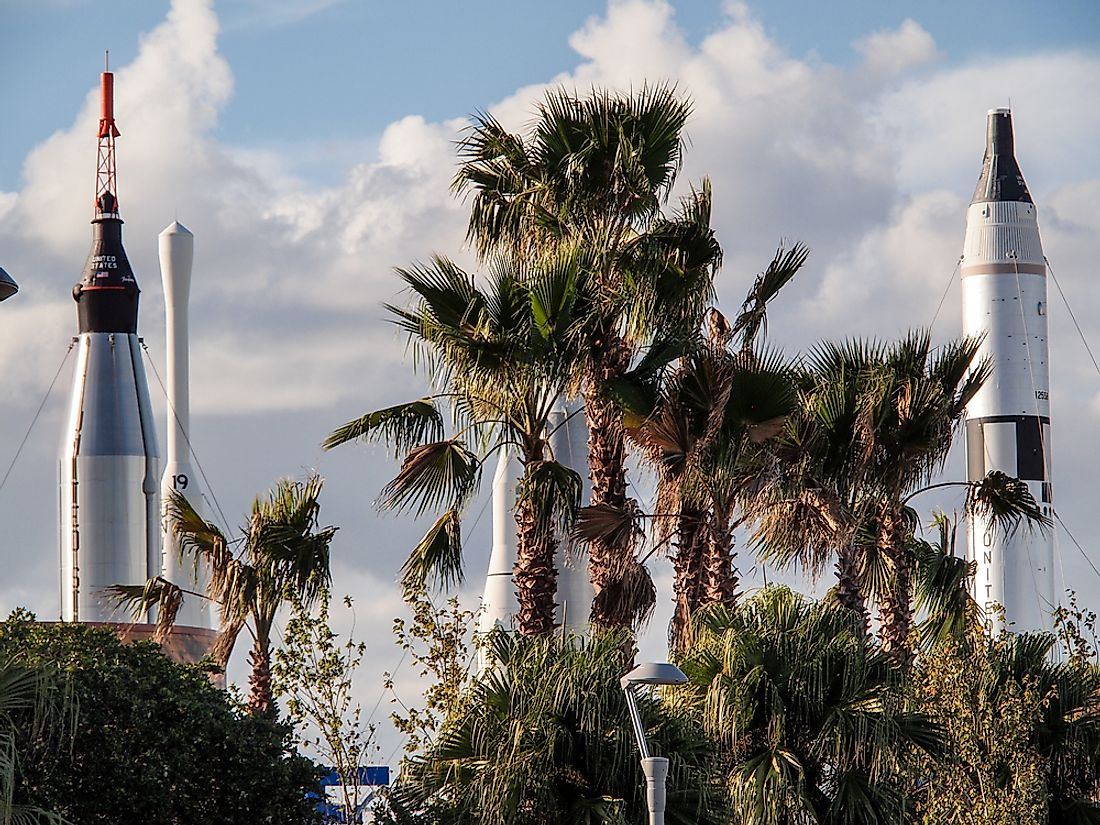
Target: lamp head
8,286
653,673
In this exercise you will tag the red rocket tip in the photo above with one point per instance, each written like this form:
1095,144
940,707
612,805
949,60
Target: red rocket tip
107,126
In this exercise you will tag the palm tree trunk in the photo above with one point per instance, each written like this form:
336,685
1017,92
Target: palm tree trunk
534,573
895,607
260,699
720,574
687,583
849,593
608,558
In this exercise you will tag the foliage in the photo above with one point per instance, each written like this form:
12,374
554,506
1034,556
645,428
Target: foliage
313,670
812,717
501,355
153,741
436,641
34,705
543,736
283,552
594,174
1076,630
1022,733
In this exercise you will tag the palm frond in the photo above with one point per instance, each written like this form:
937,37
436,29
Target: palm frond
1006,502
402,426
438,556
753,318
615,525
442,474
157,593
942,587
630,593
553,491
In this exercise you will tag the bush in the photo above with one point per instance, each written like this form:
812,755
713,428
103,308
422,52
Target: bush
153,741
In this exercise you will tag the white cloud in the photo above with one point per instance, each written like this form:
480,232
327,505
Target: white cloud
871,166
887,53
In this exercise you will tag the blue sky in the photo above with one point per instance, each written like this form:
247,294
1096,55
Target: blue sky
341,71
309,145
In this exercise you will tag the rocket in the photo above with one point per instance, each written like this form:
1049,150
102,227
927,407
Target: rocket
499,605
109,466
1004,299
568,438
569,443
177,248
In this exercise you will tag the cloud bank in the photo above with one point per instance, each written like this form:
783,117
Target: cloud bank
871,166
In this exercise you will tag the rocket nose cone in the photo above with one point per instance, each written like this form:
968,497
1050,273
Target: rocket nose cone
1001,179
998,139
176,228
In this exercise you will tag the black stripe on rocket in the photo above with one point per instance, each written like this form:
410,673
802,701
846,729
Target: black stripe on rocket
1030,455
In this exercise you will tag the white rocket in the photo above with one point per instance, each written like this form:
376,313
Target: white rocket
568,441
498,602
1004,297
176,246
109,474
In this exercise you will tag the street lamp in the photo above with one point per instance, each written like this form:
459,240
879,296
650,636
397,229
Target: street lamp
655,768
8,286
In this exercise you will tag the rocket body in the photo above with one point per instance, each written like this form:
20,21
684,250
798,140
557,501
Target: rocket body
569,442
176,247
109,466
499,605
1004,299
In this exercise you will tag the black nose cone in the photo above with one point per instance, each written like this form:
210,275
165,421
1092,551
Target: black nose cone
1001,179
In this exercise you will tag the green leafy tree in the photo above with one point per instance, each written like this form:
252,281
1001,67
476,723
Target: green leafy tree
282,554
436,641
152,741
813,719
595,173
313,672
1022,733
544,737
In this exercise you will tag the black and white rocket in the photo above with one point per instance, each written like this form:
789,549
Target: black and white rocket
1004,298
109,473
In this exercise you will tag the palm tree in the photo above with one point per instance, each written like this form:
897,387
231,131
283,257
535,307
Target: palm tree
281,556
33,703
595,172
703,438
876,426
812,718
544,737
702,434
502,357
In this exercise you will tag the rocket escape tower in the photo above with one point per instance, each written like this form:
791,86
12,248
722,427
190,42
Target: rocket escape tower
106,185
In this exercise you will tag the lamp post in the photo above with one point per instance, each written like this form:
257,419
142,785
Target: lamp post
8,286
655,768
